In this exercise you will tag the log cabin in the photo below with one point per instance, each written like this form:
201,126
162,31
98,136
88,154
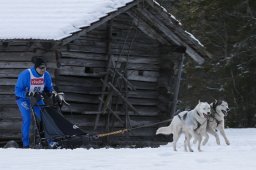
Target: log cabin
118,63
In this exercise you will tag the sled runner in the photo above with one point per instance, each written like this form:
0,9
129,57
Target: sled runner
53,130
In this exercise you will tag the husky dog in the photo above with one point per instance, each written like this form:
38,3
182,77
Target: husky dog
216,121
192,123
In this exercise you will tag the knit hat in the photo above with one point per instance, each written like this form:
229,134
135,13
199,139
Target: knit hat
39,62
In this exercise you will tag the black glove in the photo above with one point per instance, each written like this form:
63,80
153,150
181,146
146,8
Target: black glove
38,96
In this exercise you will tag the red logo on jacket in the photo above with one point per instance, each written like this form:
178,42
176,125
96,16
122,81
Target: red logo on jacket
39,81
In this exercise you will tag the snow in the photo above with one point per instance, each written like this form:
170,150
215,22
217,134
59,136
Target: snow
239,155
165,10
193,37
51,19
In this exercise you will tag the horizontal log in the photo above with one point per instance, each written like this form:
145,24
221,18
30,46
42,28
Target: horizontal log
93,90
78,81
81,55
148,76
144,85
79,108
81,98
143,94
25,56
143,111
13,73
9,111
16,49
89,43
7,89
23,65
6,135
82,63
8,81
80,71
146,52
7,99
75,48
10,124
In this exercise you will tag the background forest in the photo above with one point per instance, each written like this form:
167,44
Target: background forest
227,28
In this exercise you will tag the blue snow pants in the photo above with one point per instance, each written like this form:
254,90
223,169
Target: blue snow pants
24,107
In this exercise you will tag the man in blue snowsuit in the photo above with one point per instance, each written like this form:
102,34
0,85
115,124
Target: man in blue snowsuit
31,82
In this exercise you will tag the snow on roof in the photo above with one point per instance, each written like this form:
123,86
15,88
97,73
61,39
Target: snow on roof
51,19
165,10
193,37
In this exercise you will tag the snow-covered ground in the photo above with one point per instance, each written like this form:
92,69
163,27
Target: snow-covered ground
240,155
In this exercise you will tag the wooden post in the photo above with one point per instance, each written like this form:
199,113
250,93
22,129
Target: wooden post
108,72
177,87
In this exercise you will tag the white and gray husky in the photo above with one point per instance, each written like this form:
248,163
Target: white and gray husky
192,123
216,121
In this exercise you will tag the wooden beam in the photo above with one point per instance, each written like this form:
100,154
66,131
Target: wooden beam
123,98
144,27
170,34
104,86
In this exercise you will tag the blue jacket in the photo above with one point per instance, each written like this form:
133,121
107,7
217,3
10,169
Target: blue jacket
23,82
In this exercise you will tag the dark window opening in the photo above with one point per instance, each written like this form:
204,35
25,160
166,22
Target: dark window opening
5,44
88,70
114,34
140,72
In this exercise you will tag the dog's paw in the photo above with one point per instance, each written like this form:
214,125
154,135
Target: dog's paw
227,142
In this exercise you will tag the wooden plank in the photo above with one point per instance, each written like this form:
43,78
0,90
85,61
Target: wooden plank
136,59
85,49
81,98
6,135
144,27
148,76
9,111
25,56
89,43
172,36
79,108
144,85
11,124
79,71
80,89
8,81
13,73
23,65
7,89
78,81
82,63
7,99
81,55
143,112
16,49
143,94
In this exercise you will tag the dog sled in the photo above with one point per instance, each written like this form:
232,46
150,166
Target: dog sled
52,130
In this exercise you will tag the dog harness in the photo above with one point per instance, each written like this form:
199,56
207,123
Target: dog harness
36,83
214,118
183,117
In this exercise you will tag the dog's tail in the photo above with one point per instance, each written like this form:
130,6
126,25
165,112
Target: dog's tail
165,130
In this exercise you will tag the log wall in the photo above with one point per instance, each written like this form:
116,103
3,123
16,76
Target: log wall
83,65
